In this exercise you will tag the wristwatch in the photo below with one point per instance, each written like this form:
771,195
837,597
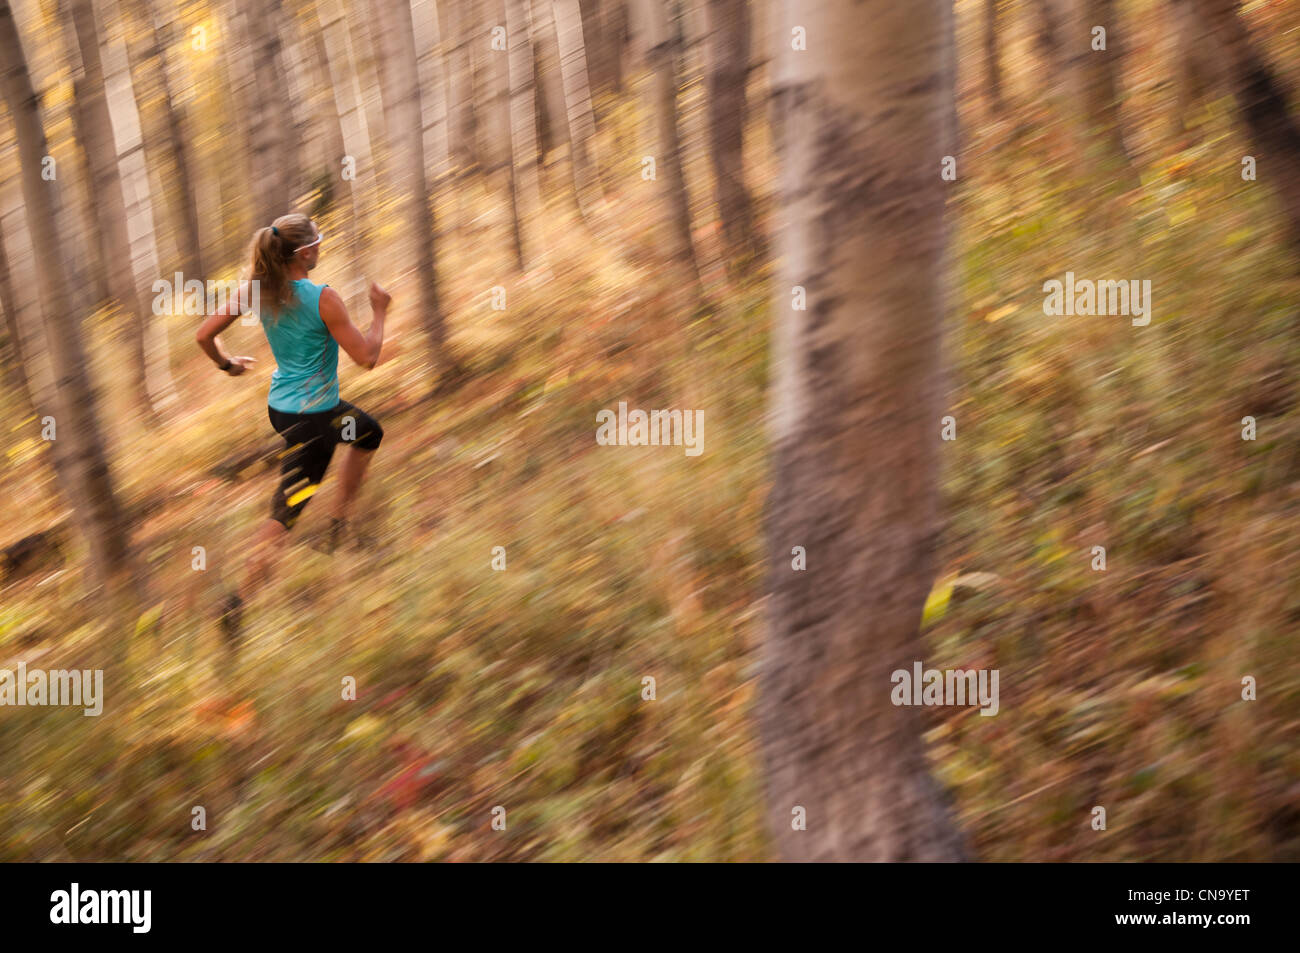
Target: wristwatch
226,366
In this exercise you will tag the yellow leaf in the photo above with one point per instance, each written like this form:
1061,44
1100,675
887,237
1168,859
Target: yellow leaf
936,603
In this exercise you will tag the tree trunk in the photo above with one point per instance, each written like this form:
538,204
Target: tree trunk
431,73
1099,77
94,122
659,45
992,71
406,117
457,24
296,113
1047,36
330,123
577,101
523,130
354,169
27,334
1274,133
729,41
94,499
860,126
15,366
593,33
22,302
170,144
615,27
552,129
365,49
263,102
144,264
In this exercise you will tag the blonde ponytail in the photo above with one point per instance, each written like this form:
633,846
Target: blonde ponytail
273,249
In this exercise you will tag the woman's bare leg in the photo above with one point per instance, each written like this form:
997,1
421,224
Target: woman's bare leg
351,470
267,545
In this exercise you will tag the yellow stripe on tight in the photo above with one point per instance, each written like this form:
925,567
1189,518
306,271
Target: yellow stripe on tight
303,494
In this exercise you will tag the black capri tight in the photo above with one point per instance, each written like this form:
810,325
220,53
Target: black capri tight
311,440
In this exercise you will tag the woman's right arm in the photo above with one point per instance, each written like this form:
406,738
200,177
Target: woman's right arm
218,321
362,348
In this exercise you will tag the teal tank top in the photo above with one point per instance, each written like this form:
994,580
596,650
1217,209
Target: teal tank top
306,378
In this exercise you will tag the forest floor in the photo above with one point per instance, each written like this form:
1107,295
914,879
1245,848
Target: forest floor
522,688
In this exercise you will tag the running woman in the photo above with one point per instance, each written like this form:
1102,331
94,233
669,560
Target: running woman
305,324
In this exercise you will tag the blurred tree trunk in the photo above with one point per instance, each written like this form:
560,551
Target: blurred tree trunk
365,63
99,516
659,43
552,129
15,366
577,100
406,118
354,169
1048,20
329,120
265,106
592,34
94,129
1192,63
523,130
615,17
297,113
728,72
457,25
1103,81
431,77
606,28
495,137
144,264
169,144
1274,133
25,325
992,71
860,124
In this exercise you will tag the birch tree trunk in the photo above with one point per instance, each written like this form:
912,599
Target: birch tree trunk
495,141
577,101
1101,77
329,122
456,26
431,73
99,516
407,120
170,142
296,113
552,127
523,132
659,46
93,119
15,366
992,70
145,266
24,321
728,71
354,170
265,105
861,119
